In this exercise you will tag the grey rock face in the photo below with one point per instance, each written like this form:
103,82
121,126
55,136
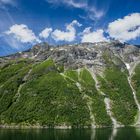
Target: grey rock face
80,55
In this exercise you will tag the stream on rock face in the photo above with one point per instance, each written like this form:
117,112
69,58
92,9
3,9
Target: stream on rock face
131,71
107,101
136,100
108,109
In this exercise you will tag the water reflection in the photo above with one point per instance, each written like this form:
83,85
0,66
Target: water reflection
138,132
114,134
77,134
93,133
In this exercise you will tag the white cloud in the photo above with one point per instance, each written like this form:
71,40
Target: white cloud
6,1
94,14
3,3
22,33
68,35
13,43
45,33
125,29
91,10
95,36
73,3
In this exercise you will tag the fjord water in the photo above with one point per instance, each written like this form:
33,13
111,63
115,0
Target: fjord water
76,134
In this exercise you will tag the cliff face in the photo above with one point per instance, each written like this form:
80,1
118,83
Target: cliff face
77,85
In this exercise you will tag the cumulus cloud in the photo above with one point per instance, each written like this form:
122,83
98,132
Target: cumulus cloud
125,29
22,33
91,10
93,36
68,35
45,33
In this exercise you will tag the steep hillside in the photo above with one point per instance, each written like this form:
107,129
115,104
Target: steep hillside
81,85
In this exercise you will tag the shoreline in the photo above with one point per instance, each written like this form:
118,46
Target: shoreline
56,127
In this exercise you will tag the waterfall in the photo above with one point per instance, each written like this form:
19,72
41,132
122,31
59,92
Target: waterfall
106,100
88,98
136,100
131,71
134,93
89,104
108,109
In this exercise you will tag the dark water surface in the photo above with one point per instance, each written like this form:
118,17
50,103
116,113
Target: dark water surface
77,134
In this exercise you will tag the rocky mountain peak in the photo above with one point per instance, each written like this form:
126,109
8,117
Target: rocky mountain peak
83,54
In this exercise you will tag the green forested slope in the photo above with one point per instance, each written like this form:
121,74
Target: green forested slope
116,87
136,81
44,93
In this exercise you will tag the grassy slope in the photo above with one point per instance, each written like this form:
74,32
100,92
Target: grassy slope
88,88
12,77
10,70
49,99
116,86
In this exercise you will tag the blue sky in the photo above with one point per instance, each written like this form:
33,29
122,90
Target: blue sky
24,23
